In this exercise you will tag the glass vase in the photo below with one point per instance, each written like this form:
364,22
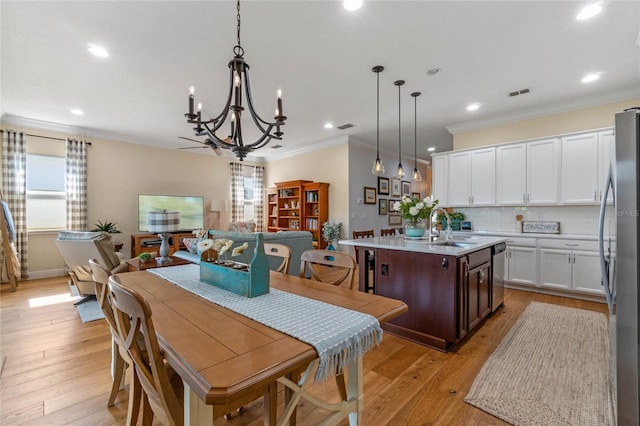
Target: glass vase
415,228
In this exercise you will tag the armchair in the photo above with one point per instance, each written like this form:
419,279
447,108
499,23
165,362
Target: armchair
77,248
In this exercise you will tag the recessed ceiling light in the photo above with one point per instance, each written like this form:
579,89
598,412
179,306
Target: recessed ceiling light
431,149
77,111
352,4
328,125
590,77
589,11
473,107
98,51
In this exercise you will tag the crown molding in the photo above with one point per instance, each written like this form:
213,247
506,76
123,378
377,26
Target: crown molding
559,107
364,146
311,147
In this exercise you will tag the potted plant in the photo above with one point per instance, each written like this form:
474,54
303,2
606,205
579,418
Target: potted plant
456,218
416,212
331,232
144,257
105,226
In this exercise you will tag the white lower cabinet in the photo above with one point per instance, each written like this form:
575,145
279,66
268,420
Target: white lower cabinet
522,265
570,269
521,261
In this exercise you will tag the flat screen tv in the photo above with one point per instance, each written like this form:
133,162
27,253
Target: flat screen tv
191,210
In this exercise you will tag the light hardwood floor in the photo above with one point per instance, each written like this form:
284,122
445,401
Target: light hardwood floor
55,369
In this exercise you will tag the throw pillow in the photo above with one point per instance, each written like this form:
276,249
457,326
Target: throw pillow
191,244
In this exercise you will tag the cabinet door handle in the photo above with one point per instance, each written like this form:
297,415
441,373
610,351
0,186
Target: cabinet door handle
595,195
524,198
572,245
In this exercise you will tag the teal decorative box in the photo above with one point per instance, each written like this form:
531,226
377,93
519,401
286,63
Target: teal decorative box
250,283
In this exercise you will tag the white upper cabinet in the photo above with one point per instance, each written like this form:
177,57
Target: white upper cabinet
511,179
460,178
440,179
527,173
472,177
543,168
585,163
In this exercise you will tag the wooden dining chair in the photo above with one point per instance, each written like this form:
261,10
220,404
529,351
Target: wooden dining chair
317,262
120,356
281,251
162,396
388,232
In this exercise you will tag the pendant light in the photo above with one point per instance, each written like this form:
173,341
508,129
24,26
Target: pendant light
416,176
400,173
378,167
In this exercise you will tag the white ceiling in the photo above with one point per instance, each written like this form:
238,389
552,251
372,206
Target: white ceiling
320,55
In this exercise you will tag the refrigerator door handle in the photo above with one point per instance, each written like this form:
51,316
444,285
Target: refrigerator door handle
604,260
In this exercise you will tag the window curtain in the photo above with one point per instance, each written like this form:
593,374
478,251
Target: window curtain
258,197
14,191
76,184
237,192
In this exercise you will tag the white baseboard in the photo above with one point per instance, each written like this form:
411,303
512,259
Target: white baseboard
51,273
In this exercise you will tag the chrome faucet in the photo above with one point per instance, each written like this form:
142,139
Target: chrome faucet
433,232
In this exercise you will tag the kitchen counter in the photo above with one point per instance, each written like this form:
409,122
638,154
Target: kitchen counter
466,243
447,284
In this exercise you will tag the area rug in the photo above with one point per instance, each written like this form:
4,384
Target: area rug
552,368
90,311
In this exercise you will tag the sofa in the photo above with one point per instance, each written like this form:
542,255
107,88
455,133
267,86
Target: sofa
297,241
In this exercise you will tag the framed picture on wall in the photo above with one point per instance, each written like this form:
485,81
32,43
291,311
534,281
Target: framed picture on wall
369,195
395,187
416,195
383,206
383,185
406,188
395,219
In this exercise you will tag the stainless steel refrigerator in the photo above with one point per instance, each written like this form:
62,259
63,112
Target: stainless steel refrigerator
620,275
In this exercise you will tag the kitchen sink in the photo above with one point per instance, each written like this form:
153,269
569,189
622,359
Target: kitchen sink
450,243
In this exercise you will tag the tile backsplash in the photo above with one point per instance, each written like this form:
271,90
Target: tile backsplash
580,220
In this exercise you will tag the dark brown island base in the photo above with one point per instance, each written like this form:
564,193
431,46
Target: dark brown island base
448,285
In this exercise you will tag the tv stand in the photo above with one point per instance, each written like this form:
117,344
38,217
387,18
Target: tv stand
148,243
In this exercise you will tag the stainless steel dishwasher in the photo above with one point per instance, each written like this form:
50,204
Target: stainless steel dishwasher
497,293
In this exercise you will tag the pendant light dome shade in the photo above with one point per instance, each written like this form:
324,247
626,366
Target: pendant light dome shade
400,173
378,167
416,176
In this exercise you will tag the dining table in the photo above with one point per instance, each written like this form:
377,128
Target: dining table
227,360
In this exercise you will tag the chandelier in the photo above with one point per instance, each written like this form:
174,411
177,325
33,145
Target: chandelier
238,77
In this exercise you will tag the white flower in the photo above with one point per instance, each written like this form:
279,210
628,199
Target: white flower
239,250
225,246
204,245
413,210
420,206
427,201
199,233
396,206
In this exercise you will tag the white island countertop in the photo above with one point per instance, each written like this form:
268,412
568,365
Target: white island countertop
464,244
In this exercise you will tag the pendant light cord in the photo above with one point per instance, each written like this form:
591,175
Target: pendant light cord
399,130
238,19
415,132
378,116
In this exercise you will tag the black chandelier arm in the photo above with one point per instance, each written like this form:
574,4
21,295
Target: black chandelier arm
256,118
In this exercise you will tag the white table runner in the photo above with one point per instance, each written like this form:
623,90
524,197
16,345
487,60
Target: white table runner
339,335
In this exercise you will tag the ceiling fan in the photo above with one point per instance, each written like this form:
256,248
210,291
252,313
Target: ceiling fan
208,143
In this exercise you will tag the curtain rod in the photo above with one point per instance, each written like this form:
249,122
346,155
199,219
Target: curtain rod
49,137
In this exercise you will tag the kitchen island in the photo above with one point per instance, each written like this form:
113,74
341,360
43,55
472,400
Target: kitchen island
447,284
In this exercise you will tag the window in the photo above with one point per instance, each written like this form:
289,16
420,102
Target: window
46,197
249,214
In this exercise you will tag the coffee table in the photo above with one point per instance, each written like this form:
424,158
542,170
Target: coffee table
136,265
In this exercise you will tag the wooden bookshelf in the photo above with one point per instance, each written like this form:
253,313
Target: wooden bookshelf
316,210
299,205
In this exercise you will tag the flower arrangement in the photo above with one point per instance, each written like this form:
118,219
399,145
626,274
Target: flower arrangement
413,208
331,231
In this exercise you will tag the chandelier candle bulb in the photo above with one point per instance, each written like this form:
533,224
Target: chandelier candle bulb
279,101
191,91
